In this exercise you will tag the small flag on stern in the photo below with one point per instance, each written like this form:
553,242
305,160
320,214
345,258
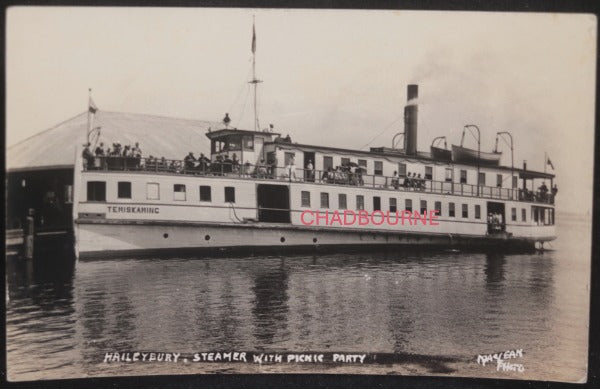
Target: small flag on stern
549,163
253,39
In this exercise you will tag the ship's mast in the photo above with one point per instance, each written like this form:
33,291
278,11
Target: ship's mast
254,80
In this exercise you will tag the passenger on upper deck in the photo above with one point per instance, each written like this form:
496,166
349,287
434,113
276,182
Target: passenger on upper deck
395,180
204,162
100,149
137,152
88,157
261,169
310,172
190,161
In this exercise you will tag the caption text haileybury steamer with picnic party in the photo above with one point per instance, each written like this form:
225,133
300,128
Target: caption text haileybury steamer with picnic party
259,191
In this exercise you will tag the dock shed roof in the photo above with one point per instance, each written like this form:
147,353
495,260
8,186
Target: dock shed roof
157,135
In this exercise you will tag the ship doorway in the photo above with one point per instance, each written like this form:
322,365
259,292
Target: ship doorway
496,218
273,203
309,174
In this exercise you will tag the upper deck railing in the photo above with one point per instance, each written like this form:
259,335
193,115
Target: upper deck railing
348,176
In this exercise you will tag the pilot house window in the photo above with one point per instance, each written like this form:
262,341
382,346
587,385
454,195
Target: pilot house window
96,191
451,209
463,176
408,204
498,180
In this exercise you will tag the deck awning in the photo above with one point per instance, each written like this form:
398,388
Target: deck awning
530,175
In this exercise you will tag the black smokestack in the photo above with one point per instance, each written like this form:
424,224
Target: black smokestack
410,120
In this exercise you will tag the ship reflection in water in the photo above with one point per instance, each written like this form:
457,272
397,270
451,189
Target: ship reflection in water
62,319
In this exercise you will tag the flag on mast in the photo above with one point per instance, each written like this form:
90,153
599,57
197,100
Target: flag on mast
549,162
253,39
92,106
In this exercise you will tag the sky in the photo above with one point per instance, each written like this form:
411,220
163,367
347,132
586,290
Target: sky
330,77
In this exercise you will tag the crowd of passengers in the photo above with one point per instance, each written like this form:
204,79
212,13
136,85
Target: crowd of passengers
543,194
113,157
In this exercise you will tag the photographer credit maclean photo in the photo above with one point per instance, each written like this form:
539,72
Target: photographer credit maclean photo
221,190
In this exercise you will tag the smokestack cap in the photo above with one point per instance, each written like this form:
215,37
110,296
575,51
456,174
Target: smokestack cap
412,91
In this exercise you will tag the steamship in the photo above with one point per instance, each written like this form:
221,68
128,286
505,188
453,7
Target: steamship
127,206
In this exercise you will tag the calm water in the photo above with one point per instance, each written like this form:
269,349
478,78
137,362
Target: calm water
61,319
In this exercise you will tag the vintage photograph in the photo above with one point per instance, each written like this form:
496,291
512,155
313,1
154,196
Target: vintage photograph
212,190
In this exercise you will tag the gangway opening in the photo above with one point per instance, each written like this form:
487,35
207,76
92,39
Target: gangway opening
496,217
273,203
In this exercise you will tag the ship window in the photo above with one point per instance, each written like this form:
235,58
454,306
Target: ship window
345,161
523,215
448,174
465,210
305,199
428,173
124,190
178,191
96,191
378,170
362,163
205,194
463,176
229,194
481,179
477,211
376,203
342,202
534,211
393,206
152,191
551,216
402,169
423,206
451,209
513,214
438,207
499,180
327,162
360,202
324,200
234,142
408,204
515,181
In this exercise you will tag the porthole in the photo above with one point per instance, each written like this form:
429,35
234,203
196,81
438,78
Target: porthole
282,239
166,235
315,240
207,237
